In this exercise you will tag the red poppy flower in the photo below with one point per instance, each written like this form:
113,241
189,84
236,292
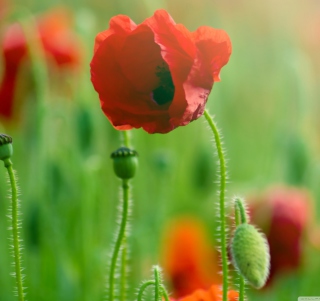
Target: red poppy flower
156,75
59,43
283,214
189,261
214,293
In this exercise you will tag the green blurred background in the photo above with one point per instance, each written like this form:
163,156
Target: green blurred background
266,105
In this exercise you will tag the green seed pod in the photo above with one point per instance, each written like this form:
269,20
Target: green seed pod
125,162
6,149
250,254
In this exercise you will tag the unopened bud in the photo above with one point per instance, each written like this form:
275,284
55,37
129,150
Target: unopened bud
250,254
125,162
6,149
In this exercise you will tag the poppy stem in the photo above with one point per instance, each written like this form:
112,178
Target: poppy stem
15,229
241,218
126,139
123,285
159,289
240,212
119,242
143,287
157,282
164,293
223,176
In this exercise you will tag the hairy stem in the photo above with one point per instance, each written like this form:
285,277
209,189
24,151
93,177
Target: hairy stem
164,293
223,177
157,286
240,212
123,285
123,276
143,287
15,229
240,216
120,238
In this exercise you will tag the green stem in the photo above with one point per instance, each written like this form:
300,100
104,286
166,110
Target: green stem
164,293
123,279
223,177
123,285
126,138
240,212
143,287
120,238
157,286
15,229
241,218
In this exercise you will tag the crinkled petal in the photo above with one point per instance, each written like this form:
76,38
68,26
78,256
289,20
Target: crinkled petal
126,64
120,24
120,101
214,48
140,57
178,51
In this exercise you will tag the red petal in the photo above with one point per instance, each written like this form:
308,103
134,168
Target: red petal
121,102
7,89
214,46
140,57
14,45
58,39
178,50
118,25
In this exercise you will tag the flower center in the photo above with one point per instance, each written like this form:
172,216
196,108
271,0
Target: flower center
165,92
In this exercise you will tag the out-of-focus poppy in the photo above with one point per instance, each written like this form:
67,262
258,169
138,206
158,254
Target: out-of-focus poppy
283,214
60,44
156,75
214,293
189,261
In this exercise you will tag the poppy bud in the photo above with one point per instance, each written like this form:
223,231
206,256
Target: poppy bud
250,254
125,162
6,149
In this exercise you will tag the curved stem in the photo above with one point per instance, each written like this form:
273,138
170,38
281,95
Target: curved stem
143,287
15,229
223,177
120,238
164,293
240,212
241,218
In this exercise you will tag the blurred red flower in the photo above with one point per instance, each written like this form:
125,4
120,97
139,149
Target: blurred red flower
156,75
189,261
283,214
214,293
60,45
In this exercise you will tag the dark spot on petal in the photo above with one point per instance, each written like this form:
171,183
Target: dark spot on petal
165,92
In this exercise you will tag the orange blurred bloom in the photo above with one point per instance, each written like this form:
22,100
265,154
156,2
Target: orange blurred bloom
214,293
60,45
189,261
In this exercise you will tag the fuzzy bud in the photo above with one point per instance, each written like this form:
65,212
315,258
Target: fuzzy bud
250,255
6,149
125,162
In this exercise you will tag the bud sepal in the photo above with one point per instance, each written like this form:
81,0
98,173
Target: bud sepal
251,255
